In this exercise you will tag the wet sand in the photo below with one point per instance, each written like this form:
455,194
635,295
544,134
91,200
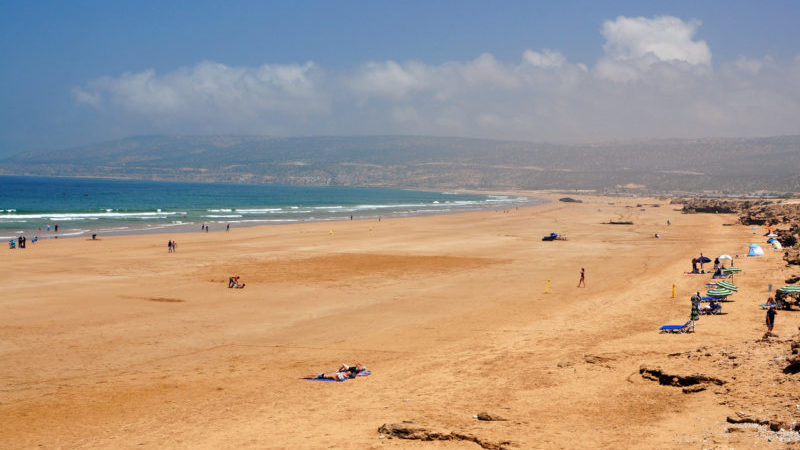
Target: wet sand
115,343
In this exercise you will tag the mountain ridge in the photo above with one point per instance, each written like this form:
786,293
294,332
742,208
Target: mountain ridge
725,165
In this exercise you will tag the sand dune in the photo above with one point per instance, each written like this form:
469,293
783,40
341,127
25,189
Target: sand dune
116,343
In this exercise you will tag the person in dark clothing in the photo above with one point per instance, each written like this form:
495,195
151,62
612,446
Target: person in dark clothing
771,318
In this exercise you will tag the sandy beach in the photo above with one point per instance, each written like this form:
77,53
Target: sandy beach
117,343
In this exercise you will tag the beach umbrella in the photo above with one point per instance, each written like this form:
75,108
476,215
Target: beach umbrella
771,240
727,285
719,292
704,259
789,289
724,258
769,227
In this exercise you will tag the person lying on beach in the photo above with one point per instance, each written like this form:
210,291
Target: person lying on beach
344,372
336,376
712,308
238,286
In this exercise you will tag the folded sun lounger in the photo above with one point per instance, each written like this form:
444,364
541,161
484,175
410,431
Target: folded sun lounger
688,327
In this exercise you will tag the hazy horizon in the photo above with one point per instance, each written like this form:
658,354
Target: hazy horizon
542,142
565,74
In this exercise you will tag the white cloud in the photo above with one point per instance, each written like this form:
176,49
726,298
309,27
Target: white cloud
654,80
547,58
634,45
752,66
391,79
211,93
666,38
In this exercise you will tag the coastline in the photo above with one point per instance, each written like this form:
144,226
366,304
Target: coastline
217,226
107,207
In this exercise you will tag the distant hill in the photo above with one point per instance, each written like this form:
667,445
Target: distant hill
723,165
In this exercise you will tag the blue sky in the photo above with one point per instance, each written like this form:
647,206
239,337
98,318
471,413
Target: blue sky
81,72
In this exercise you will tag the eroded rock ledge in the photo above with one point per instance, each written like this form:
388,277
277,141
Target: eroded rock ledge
409,430
678,380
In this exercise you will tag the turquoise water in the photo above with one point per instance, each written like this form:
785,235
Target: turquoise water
82,206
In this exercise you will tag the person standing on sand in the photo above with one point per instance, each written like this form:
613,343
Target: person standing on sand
169,247
771,318
174,246
582,281
228,227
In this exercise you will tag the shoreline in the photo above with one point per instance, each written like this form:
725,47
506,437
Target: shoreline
191,227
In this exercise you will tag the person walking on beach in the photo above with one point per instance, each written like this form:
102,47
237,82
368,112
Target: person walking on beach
228,227
582,281
56,228
771,318
174,246
169,247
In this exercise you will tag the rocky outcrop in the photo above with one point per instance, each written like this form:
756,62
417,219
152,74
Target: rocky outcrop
485,416
787,238
678,380
785,217
569,200
710,205
792,256
793,358
409,430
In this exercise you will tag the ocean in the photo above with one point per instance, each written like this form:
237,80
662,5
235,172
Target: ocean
33,206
